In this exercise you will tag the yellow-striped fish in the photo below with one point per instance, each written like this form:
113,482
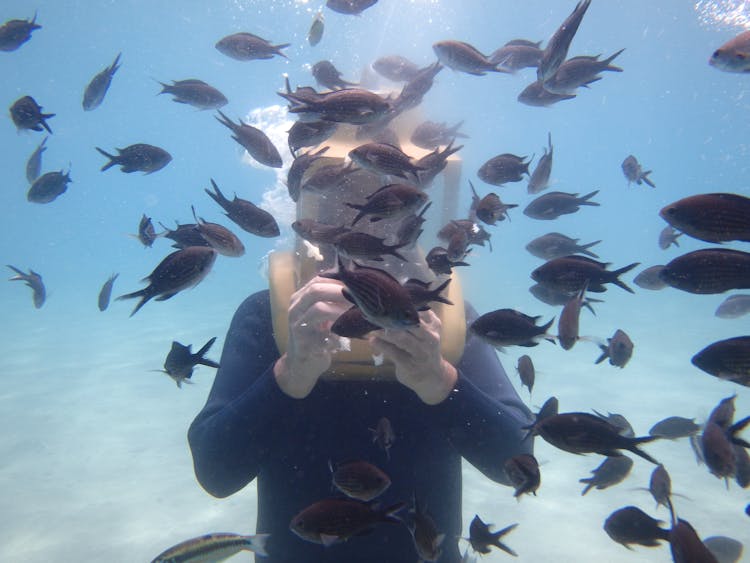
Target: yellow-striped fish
213,548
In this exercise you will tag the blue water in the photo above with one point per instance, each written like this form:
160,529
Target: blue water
94,460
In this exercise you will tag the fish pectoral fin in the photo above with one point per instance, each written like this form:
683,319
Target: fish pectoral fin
327,539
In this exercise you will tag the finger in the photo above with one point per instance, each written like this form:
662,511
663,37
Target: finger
320,316
312,293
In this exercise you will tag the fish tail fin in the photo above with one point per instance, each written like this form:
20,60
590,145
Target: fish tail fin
633,447
277,49
145,294
604,355
606,62
46,116
205,348
500,545
585,199
546,327
435,293
585,249
645,178
113,160
589,484
739,427
224,120
389,513
216,195
617,273
21,275
257,544
115,64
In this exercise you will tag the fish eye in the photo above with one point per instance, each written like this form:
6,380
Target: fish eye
740,56
716,54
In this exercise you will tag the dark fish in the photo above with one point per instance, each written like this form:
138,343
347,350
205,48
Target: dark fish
385,159
726,359
395,68
106,292
717,217
427,538
536,96
567,325
734,55
255,141
246,214
482,539
474,231
523,473
570,274
354,245
329,76
213,548
14,33
318,233
634,173
438,261
552,205
557,47
137,158
580,72
411,227
359,479
508,327
415,89
146,232
317,27
463,57
458,246
181,361
686,546
48,187
185,235
297,170
392,201
180,270
733,307
723,413
611,471
309,134
708,271
380,297
582,433
660,487
675,427
539,180
555,297
619,349
248,47
351,105
383,435
33,281
516,56
27,114
194,92
557,245
335,520
668,237
34,163
724,549
350,7
218,237
630,525
503,168
717,447
95,91
490,208
549,408
618,421
650,278
430,135
421,294
327,177
352,324
434,163
526,372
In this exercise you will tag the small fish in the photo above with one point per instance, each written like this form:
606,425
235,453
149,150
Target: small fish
184,235
427,538
383,435
619,421
717,447
650,278
415,89
328,76
146,232
571,273
555,297
551,205
526,371
523,473
557,245
612,471
95,91
715,217
392,201
335,520
299,167
48,187
27,114
317,233
675,427
463,57
181,361
356,245
708,271
726,550
434,163
734,55
503,168
213,548
515,56
106,292
328,177
218,237
630,525
474,231
421,294
309,134
550,408
733,307
726,359
686,546
660,487
245,46
723,413
194,92
536,96
350,7
508,327
567,325
557,47
351,105
395,68
34,163
438,261
539,179
180,270
580,72
33,281
137,158
14,33
482,539
634,173
385,159
359,479
246,214
430,135
619,349
256,142
668,237
317,27
411,227
489,209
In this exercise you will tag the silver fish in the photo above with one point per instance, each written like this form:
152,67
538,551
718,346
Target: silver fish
256,142
34,163
317,27
734,55
734,306
539,179
33,281
94,94
106,292
245,46
213,548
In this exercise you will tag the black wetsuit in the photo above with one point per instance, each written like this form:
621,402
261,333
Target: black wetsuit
249,428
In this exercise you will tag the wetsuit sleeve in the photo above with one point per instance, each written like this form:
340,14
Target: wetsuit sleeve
231,436
484,416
